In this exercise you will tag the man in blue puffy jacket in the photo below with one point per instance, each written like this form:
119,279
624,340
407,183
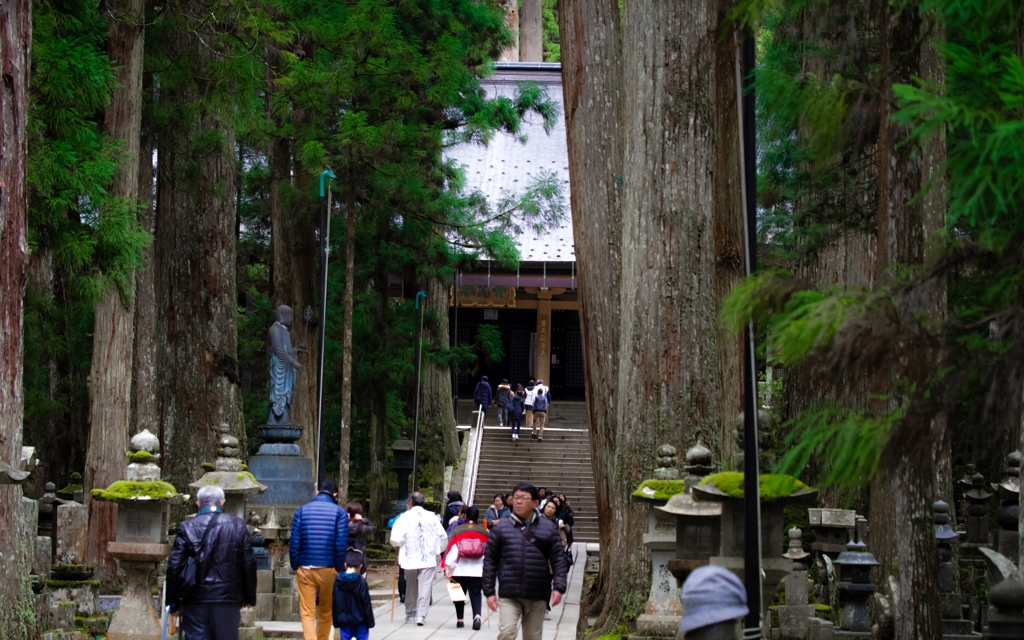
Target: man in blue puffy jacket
317,552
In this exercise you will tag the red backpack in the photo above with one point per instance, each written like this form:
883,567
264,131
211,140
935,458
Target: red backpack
471,548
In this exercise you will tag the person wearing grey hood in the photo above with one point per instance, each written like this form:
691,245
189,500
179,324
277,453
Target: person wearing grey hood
714,605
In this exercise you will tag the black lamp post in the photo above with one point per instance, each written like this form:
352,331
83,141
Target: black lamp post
416,413
751,457
325,231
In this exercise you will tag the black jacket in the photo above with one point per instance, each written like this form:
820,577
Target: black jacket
351,601
520,567
226,561
359,532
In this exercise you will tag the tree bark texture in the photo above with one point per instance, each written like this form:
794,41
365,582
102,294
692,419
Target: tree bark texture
646,212
144,383
296,279
195,257
511,54
593,95
848,258
16,604
345,448
728,234
111,375
904,489
531,39
437,415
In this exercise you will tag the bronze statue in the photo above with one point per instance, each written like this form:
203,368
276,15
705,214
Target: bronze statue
283,368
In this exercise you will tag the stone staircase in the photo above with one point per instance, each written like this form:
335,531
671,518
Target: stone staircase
561,463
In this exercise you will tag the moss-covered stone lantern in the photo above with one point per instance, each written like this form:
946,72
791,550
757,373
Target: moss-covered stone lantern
777,492
228,474
141,539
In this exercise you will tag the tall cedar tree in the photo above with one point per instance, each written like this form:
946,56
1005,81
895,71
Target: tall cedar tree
110,387
16,608
653,155
902,333
199,83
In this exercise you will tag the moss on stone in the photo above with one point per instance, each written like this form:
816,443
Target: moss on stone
71,584
773,486
138,456
208,466
123,490
659,489
822,607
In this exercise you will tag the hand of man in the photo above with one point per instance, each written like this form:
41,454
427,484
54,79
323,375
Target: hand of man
492,603
556,597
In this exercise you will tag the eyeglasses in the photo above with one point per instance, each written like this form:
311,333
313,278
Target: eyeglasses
522,498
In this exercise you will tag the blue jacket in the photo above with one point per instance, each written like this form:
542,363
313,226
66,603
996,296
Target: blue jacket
319,534
351,601
482,394
517,406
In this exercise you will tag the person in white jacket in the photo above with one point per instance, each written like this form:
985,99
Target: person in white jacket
419,538
464,562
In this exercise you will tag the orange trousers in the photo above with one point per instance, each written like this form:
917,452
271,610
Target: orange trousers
316,625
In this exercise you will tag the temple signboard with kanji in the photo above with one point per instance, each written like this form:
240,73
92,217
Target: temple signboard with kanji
471,295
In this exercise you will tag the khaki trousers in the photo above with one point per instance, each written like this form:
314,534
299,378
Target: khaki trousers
316,625
529,418
540,420
512,610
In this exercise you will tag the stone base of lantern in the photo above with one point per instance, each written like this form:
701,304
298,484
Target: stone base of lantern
793,620
264,606
653,625
136,618
958,630
664,596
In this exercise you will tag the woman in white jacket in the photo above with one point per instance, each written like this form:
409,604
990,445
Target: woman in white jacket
464,563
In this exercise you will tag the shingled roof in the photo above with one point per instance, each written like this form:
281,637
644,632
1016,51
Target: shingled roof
508,165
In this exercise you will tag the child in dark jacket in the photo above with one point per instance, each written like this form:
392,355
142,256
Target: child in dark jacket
516,407
352,611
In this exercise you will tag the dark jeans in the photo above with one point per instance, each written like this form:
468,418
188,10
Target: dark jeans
516,422
401,583
359,633
472,588
211,620
503,415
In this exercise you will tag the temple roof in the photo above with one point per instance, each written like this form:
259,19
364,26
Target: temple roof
508,165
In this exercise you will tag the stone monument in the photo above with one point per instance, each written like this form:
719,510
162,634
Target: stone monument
279,464
141,538
228,475
856,563
1007,538
793,615
954,627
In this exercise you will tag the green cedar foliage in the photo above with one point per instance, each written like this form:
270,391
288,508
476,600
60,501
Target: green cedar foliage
82,240
890,331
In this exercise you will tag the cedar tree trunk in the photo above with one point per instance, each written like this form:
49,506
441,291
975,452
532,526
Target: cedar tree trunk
512,22
531,39
195,257
904,489
16,604
144,373
111,376
345,448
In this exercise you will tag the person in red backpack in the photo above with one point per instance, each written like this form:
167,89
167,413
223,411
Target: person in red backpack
464,562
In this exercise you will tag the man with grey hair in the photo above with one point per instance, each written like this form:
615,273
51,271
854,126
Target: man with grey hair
225,570
419,538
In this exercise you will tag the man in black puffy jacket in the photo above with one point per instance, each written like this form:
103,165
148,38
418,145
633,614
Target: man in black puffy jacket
225,570
525,556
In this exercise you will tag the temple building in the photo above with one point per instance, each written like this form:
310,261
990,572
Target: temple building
536,307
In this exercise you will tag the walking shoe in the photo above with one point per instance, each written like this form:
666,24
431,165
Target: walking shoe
410,619
460,624
547,616
533,435
419,621
476,623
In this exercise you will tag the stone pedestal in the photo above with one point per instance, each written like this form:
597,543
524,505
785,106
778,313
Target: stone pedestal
136,618
289,480
72,533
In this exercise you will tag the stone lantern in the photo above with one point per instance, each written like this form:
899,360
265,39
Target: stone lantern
1007,540
141,537
228,475
401,464
663,609
777,492
953,626
1006,620
856,563
698,524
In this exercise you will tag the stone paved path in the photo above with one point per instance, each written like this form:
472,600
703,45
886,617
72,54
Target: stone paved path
440,623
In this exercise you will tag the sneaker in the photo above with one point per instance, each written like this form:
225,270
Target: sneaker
547,616
533,435
460,624
420,621
476,623
410,619
541,439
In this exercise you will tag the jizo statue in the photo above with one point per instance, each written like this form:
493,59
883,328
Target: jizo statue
283,367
